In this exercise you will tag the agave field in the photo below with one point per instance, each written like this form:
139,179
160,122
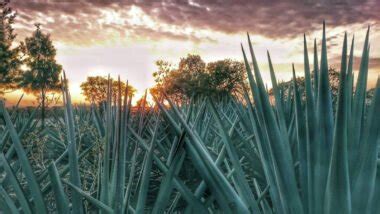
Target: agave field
240,154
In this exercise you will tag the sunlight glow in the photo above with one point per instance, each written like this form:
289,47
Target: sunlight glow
131,51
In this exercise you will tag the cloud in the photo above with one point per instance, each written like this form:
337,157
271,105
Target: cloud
272,19
88,21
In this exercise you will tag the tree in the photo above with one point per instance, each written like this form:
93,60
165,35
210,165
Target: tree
164,78
42,75
191,78
226,76
183,82
9,56
95,89
194,77
192,64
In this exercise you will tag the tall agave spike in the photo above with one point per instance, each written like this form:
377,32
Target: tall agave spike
11,177
252,81
105,175
174,161
194,203
98,204
121,165
308,86
119,154
338,194
302,147
280,147
279,104
263,94
59,194
316,70
351,148
11,151
242,187
166,185
359,97
143,123
364,176
116,140
349,87
132,171
72,151
256,70
349,83
374,202
142,113
202,160
311,135
262,145
146,171
325,129
276,92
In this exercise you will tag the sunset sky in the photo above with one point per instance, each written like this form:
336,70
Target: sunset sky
126,37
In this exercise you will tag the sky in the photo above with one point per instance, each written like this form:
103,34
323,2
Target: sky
126,37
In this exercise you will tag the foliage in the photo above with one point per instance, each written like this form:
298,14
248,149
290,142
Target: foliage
286,87
203,156
43,72
95,89
194,77
333,80
9,56
226,77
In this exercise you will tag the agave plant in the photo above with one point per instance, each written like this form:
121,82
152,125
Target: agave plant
335,155
250,154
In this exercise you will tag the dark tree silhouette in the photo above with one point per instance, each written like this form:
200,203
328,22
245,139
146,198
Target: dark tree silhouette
9,57
43,72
